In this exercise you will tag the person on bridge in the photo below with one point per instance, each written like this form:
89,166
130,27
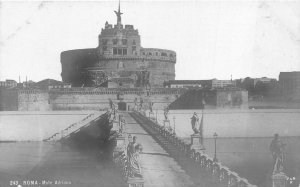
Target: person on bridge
133,152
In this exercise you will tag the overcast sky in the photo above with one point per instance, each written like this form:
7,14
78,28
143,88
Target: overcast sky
212,39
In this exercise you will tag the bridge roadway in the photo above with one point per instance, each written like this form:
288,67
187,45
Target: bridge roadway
162,163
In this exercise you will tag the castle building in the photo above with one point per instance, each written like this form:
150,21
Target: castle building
290,85
118,61
207,84
222,83
8,83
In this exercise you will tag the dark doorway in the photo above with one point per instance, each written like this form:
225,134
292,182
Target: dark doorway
122,106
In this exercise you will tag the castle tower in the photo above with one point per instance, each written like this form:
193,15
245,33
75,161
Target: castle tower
119,60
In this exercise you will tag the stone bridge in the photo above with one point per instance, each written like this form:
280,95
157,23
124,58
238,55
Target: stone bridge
166,160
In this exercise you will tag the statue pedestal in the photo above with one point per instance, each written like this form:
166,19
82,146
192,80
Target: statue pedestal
196,143
279,180
166,123
115,126
135,182
120,144
151,115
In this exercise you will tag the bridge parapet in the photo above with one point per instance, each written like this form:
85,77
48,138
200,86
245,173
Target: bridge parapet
216,170
120,157
74,127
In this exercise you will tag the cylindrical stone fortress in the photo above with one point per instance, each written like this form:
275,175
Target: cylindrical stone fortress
119,57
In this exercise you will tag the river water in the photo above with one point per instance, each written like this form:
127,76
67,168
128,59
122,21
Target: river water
25,160
242,145
51,164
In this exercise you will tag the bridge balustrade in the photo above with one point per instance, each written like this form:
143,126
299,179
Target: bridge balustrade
216,169
223,176
232,180
75,127
209,165
242,183
192,154
121,162
173,139
187,149
202,161
177,141
197,158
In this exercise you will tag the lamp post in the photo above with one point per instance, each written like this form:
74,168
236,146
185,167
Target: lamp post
174,124
215,156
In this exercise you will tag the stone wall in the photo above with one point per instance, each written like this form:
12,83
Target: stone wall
232,99
84,99
33,100
99,100
77,62
8,100
24,100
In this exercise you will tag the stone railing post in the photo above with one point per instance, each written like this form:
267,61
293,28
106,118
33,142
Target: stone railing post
166,123
120,144
216,169
232,180
196,143
135,182
223,175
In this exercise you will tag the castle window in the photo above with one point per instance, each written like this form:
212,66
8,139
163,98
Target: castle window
156,53
104,48
164,54
143,53
115,41
133,48
124,51
104,41
115,51
124,41
119,51
133,42
171,55
150,54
